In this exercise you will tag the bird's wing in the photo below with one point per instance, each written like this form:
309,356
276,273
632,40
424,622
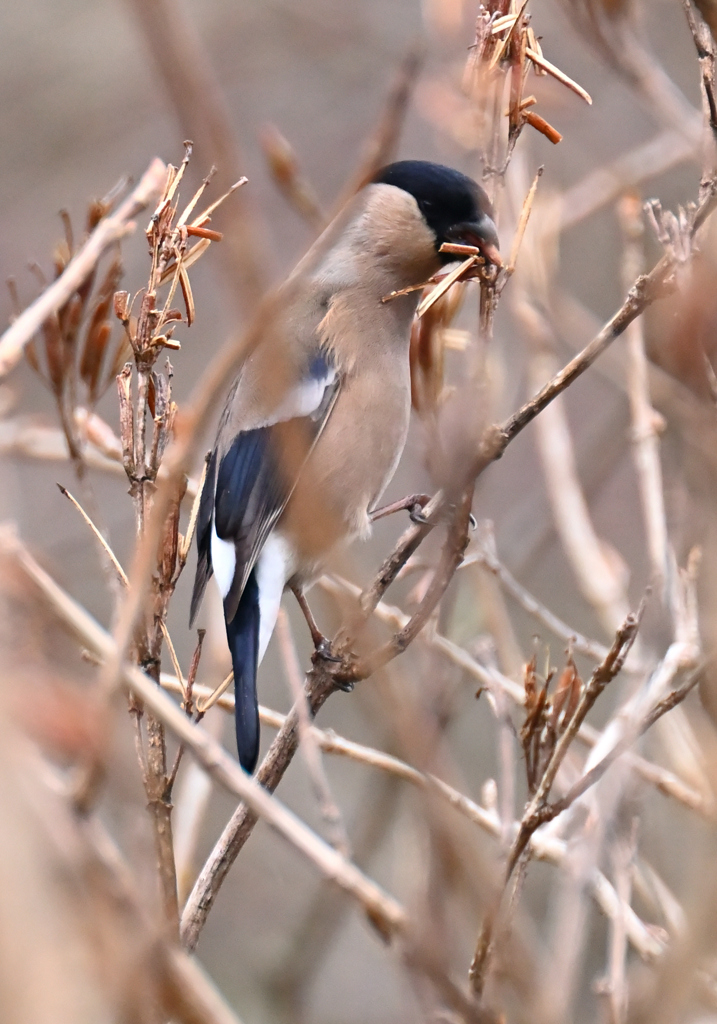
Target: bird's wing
247,488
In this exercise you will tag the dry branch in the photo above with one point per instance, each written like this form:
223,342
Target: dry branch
109,231
193,88
383,910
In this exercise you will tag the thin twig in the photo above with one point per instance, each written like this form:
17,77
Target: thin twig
646,424
541,62
336,830
121,575
486,557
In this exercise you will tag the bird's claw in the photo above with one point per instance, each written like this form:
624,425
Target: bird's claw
415,514
324,652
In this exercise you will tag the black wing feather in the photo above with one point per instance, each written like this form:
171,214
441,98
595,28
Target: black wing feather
246,492
250,496
204,537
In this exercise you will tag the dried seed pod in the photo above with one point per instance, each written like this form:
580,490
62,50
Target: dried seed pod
61,257
91,367
121,306
31,356
152,396
98,331
566,695
187,295
54,352
542,126
69,317
97,209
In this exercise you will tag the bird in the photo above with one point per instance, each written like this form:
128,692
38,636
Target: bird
317,418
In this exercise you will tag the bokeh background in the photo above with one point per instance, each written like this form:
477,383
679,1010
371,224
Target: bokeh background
83,103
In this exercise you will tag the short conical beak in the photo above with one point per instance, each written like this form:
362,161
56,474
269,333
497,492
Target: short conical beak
482,234
491,253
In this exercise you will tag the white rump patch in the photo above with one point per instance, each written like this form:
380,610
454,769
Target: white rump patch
272,572
224,561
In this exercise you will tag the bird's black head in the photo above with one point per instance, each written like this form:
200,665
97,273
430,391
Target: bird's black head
453,205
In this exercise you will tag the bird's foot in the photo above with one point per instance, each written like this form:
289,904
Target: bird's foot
322,650
415,514
324,653
413,504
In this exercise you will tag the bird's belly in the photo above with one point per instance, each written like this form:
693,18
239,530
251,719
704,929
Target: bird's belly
335,492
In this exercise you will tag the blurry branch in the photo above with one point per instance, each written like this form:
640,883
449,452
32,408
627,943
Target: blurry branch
384,913
543,848
25,435
192,87
191,996
291,981
486,556
606,184
705,55
379,149
708,10
612,29
381,146
599,572
119,571
646,423
383,910
289,178
102,449
663,780
614,986
109,231
580,699
188,994
99,954
336,830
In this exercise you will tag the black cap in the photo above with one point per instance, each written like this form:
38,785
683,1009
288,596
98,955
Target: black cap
454,206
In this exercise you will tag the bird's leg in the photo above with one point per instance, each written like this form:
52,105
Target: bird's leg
414,504
321,643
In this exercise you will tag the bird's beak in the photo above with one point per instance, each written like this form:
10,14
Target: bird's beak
482,234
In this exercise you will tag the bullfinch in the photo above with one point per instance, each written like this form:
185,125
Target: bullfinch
316,421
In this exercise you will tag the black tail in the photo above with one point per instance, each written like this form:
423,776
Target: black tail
243,637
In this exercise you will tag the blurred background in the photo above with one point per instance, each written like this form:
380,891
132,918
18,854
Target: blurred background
86,97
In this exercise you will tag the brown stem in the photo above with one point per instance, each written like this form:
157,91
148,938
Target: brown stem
319,687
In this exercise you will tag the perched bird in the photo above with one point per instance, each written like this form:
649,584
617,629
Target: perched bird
317,419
